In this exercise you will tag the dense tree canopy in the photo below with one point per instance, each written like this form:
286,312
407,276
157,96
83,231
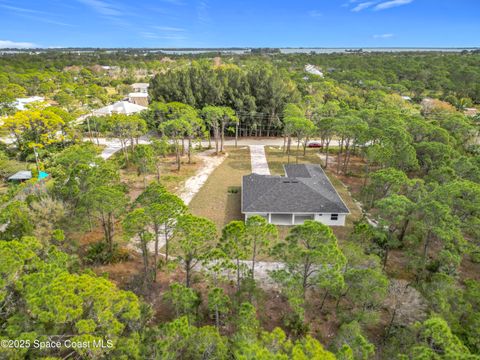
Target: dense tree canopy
391,126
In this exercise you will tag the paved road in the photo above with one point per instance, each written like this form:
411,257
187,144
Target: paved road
113,145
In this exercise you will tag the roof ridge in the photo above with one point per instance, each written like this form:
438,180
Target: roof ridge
333,187
278,184
311,189
316,191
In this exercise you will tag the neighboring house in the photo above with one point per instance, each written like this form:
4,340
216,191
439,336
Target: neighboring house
305,193
110,69
21,176
120,107
140,87
312,69
25,175
20,103
138,98
471,111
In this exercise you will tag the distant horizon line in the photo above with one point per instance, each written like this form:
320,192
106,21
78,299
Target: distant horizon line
245,48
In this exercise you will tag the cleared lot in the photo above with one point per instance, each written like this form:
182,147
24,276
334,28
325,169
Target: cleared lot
219,199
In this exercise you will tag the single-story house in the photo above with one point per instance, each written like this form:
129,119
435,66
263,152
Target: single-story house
25,175
120,107
470,111
138,98
21,103
140,87
304,193
22,175
314,70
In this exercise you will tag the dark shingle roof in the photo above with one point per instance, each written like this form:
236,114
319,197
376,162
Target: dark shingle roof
304,189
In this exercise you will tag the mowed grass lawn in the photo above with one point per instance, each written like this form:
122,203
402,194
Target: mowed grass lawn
276,159
214,200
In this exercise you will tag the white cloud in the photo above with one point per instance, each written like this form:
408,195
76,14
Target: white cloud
102,7
45,20
16,45
315,13
391,4
172,37
21,10
175,2
363,6
383,36
32,14
148,35
203,15
169,28
165,32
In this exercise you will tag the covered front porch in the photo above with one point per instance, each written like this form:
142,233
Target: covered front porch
284,218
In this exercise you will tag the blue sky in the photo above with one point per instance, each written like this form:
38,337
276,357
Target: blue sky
242,23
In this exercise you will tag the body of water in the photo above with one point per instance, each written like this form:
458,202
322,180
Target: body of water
349,50
246,50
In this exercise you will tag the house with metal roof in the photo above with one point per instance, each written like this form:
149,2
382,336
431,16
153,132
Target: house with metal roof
25,175
304,193
22,175
120,107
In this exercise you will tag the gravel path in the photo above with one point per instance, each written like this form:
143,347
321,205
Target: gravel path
259,160
195,183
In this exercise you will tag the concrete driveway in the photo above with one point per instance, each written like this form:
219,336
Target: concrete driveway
259,160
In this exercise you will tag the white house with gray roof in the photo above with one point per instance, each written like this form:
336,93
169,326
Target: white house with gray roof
304,193
140,87
120,107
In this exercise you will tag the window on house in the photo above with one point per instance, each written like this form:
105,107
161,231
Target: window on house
334,217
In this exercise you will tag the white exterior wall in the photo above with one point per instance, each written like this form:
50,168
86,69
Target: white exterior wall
326,219
323,218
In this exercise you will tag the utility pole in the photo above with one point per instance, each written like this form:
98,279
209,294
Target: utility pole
36,159
96,130
236,132
89,131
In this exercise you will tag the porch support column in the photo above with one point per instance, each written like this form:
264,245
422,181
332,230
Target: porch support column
269,218
293,219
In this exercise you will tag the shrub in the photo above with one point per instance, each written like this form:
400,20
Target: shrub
99,253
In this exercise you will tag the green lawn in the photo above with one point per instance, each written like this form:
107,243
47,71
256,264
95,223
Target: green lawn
219,199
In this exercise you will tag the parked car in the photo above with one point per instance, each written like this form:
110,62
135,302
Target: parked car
314,144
